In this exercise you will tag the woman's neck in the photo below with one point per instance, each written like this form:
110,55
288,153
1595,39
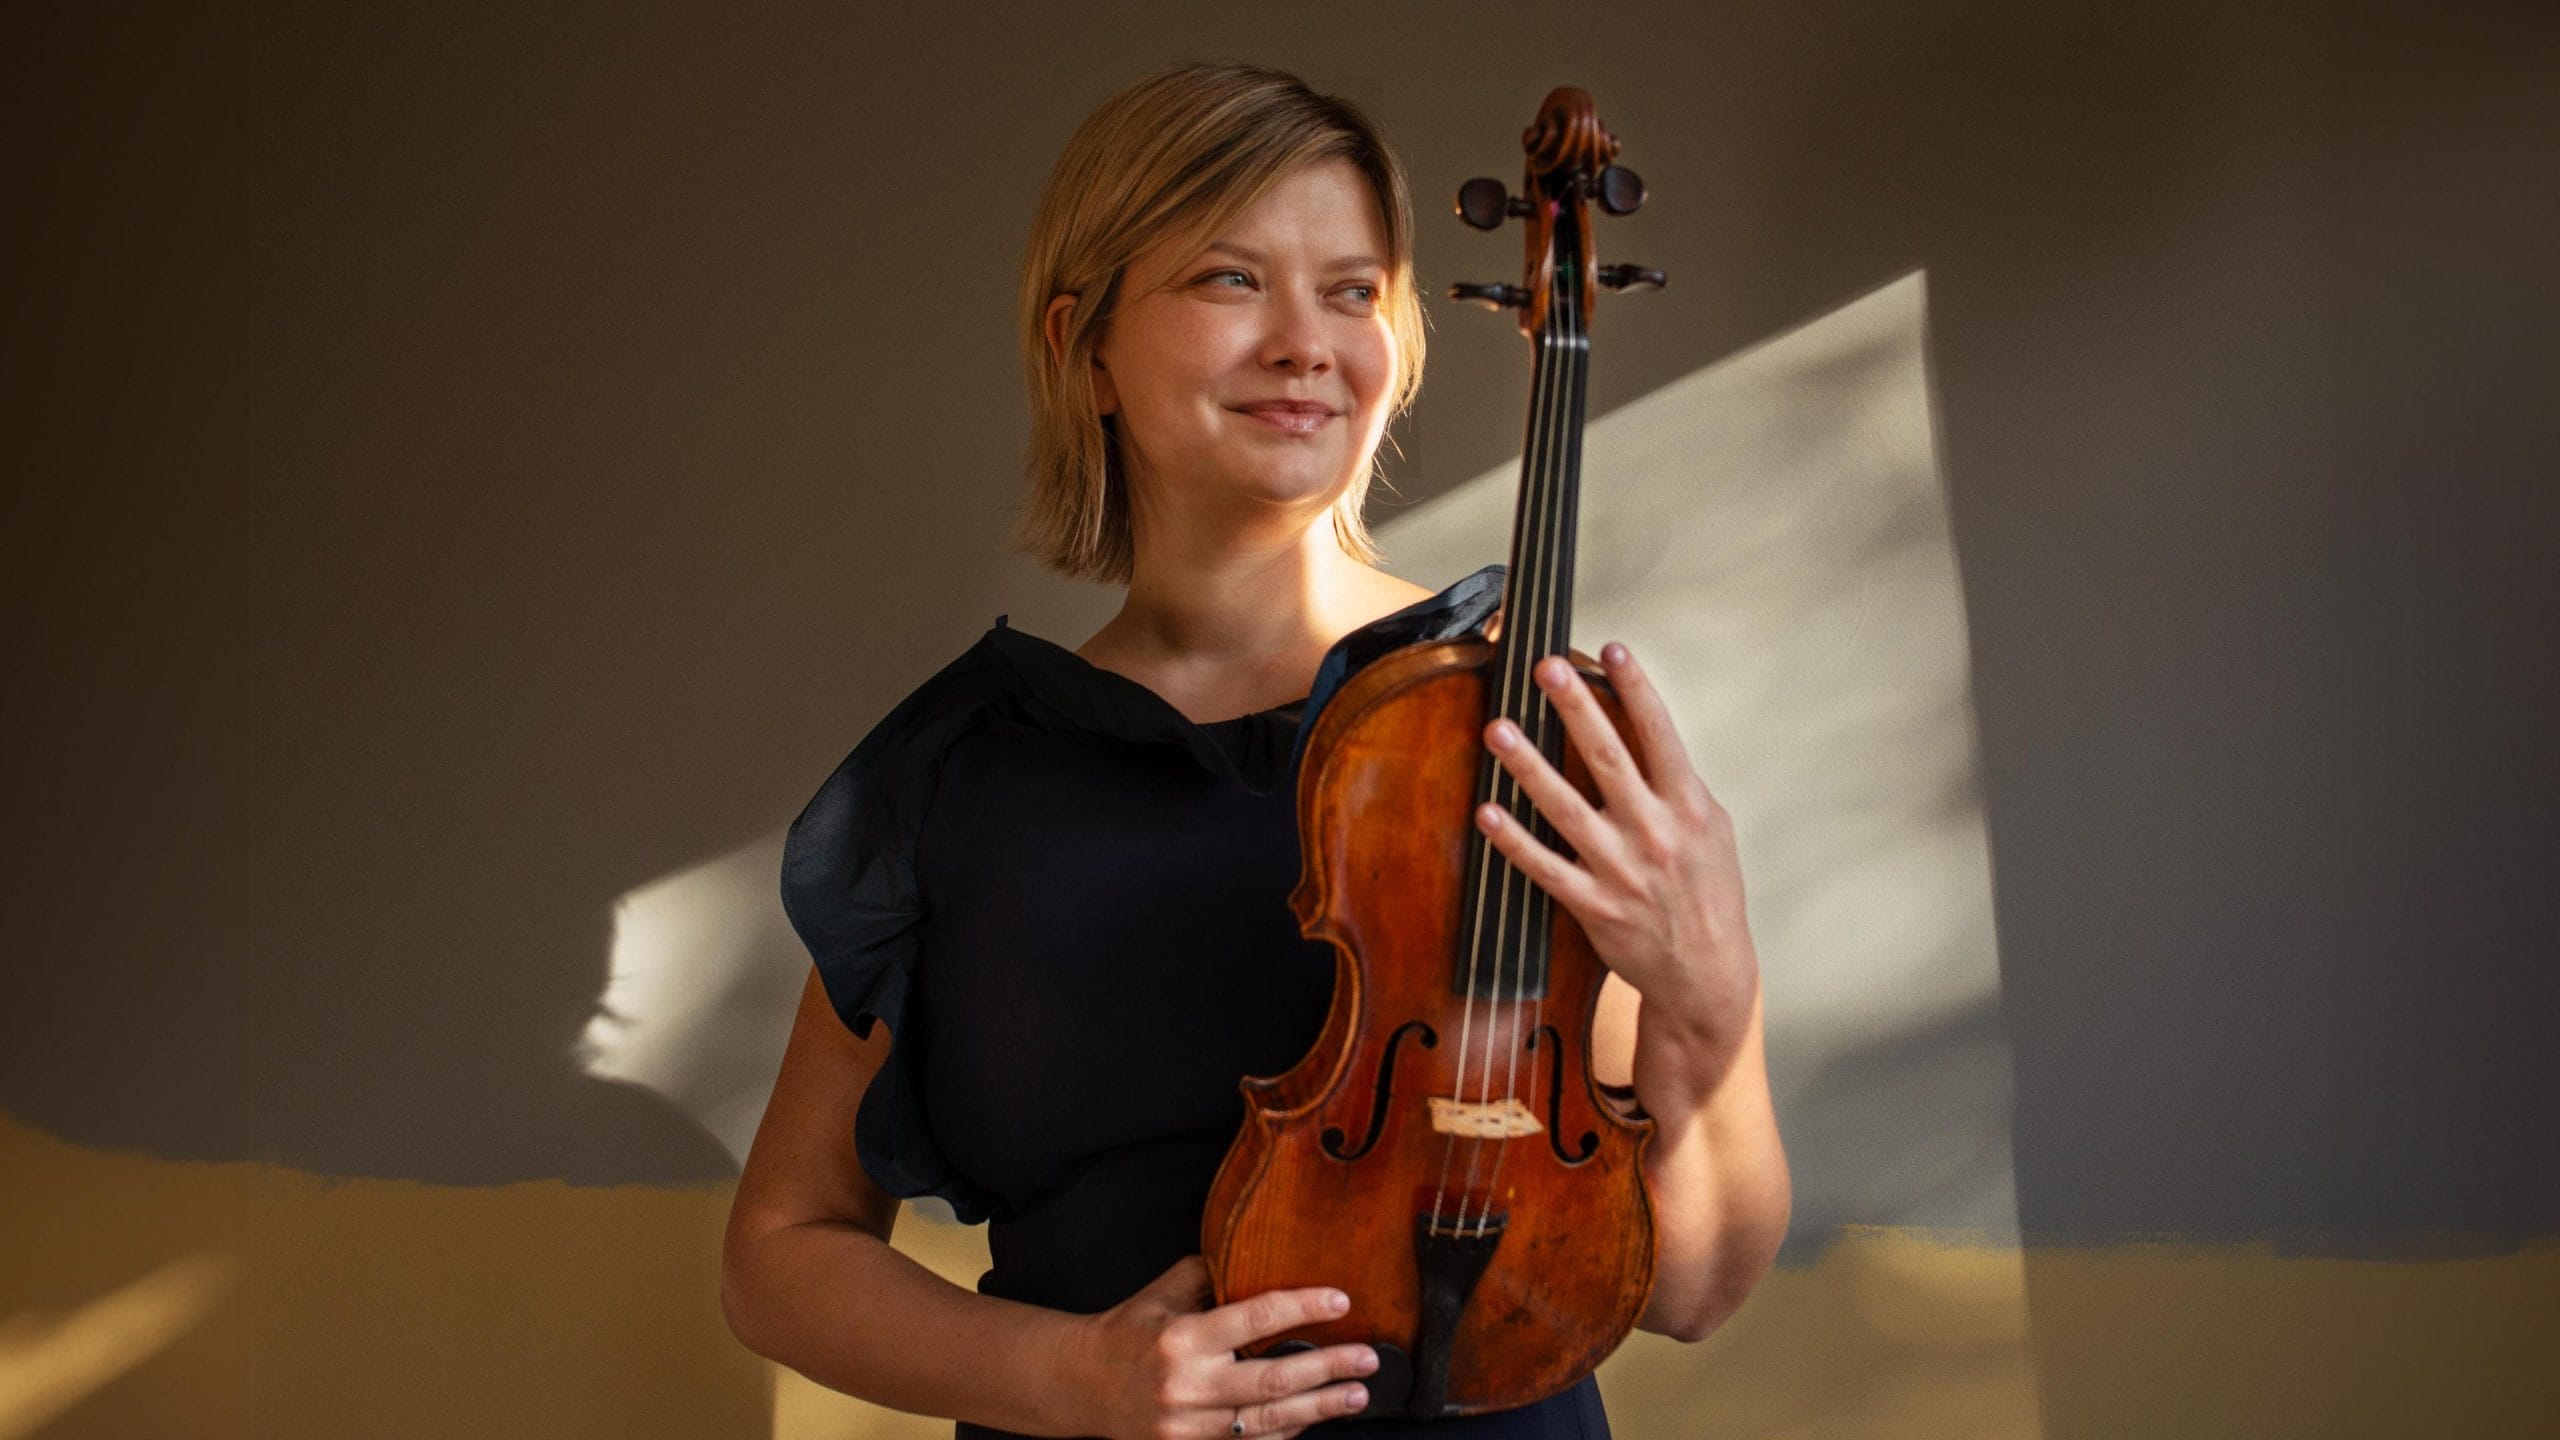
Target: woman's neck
1229,629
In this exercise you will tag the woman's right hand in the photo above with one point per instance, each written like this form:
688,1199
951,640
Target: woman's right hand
1163,1368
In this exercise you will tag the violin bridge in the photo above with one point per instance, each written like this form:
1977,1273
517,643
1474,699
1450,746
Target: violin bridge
1483,1119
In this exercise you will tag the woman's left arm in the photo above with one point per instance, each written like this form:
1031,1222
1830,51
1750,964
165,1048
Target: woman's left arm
1657,885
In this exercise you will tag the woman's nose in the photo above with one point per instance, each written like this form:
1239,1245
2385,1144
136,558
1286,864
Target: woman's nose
1296,339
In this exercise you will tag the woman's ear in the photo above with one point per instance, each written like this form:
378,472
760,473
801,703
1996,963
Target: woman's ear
1053,327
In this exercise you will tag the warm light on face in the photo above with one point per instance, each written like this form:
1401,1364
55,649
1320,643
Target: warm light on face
1259,369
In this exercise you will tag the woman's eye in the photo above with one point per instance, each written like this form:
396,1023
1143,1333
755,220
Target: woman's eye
1221,277
1366,294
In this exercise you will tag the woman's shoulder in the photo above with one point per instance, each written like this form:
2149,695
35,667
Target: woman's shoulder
1406,613
847,859
1380,593
1002,668
964,686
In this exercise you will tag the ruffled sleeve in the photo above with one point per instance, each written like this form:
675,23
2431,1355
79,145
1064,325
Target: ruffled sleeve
849,888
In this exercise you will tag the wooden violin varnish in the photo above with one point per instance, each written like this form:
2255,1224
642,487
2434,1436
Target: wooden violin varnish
1443,1154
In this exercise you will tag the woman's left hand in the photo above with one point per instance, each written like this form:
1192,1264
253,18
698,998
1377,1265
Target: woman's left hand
1655,879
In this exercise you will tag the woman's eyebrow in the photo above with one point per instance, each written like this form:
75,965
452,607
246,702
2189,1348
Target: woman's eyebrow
1255,257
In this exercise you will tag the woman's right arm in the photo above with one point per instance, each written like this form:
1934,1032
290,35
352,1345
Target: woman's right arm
808,1279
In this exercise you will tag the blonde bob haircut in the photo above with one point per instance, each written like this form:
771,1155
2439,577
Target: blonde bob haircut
1174,158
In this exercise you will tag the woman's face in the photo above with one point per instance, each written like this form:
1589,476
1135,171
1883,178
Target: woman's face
1258,369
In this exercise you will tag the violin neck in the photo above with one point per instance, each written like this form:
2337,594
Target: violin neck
1537,602
1503,960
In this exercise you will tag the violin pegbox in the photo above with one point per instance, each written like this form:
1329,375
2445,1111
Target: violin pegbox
1571,167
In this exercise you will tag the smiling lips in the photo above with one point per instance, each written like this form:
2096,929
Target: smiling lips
1294,417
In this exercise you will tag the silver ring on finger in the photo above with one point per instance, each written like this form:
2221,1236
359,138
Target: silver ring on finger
1235,1427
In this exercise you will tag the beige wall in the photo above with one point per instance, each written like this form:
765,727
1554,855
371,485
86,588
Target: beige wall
479,461
227,1300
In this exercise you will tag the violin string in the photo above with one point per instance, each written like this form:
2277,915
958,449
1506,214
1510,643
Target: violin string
1520,621
1568,527
1472,939
1491,869
1488,859
1568,511
1533,635
1521,700
1552,605
1533,711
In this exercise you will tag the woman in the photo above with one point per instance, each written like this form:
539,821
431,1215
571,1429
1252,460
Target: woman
1061,877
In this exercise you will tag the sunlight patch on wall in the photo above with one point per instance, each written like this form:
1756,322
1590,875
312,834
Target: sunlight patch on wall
1769,536
704,975
49,1363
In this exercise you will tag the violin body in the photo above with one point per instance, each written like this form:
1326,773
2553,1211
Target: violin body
1572,1265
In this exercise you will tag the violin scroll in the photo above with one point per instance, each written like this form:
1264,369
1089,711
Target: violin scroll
1571,168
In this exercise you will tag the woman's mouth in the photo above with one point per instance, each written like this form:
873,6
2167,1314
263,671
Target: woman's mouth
1290,417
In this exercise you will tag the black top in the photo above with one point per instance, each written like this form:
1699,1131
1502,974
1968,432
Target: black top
1069,902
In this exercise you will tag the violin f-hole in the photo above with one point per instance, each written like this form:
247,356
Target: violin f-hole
1384,1091
1589,1144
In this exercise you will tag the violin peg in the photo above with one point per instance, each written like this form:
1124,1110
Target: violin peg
1619,190
1485,204
1631,277
1491,297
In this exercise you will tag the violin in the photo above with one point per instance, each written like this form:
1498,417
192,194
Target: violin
1443,1154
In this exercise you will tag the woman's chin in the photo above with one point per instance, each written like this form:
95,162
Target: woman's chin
1293,491
1302,482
